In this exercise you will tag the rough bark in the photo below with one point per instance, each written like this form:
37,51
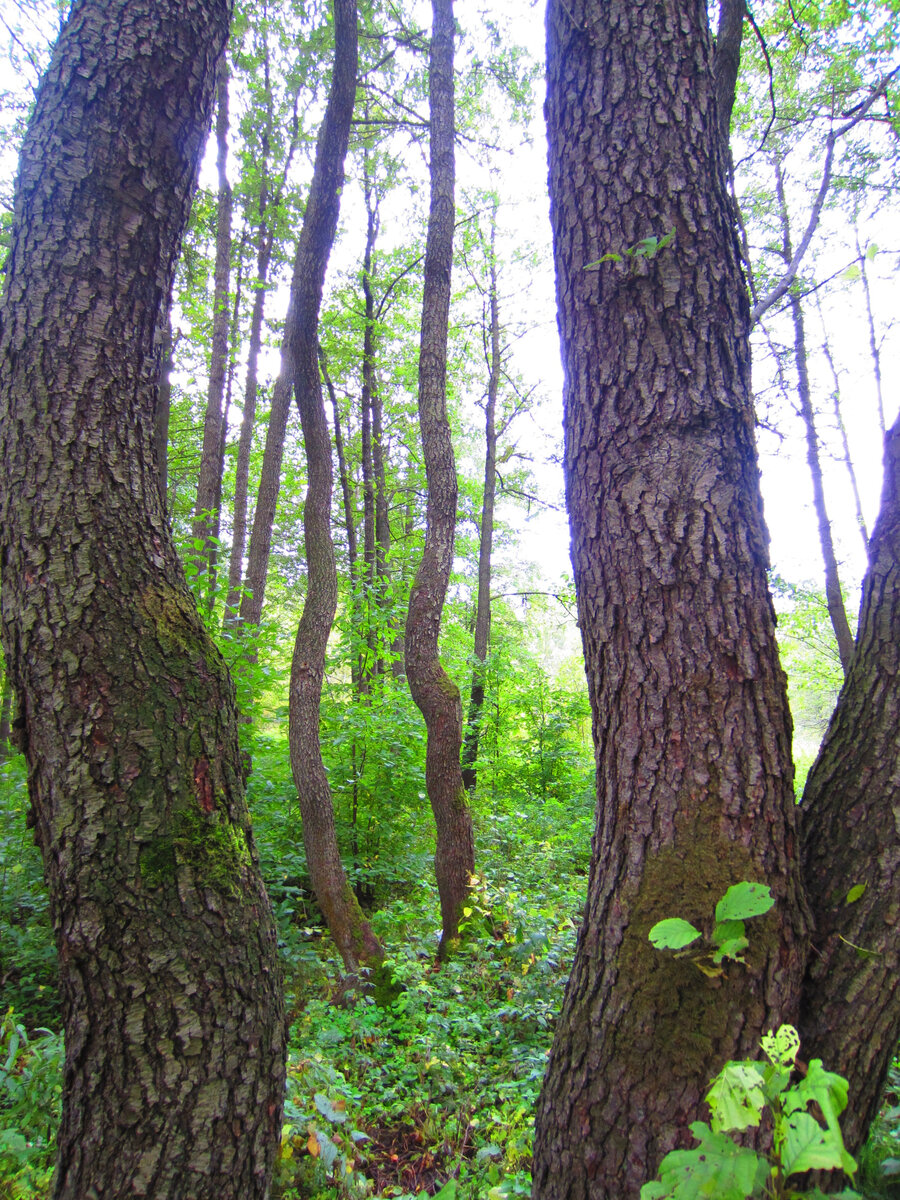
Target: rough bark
435,694
833,595
209,484
850,1015
173,1019
351,932
486,540
690,719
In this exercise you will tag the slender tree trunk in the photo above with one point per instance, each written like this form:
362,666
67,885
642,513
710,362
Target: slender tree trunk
209,485
873,339
833,595
690,719
267,499
163,410
351,932
726,64
343,473
435,694
169,980
850,1016
846,457
486,542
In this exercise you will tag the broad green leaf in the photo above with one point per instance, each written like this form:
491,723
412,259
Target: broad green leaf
716,1168
856,893
331,1112
871,251
727,931
830,1093
809,1147
447,1192
743,900
736,1097
781,1047
851,273
673,934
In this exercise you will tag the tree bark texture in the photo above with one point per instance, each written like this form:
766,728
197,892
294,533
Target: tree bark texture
435,694
173,1018
833,596
349,928
850,1015
726,63
163,412
209,484
690,719
486,540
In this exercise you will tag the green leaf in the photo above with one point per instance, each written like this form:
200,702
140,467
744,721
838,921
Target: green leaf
328,1110
716,1168
856,893
781,1048
736,1098
727,931
731,949
830,1093
743,900
673,934
809,1147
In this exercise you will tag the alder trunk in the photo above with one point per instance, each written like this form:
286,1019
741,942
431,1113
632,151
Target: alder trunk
352,934
169,981
690,719
850,1014
435,694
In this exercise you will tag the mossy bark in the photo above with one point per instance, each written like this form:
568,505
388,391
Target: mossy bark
173,1018
351,932
435,694
690,718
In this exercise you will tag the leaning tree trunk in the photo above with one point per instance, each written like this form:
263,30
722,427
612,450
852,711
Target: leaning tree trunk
436,695
486,541
209,484
690,719
169,979
349,928
850,1016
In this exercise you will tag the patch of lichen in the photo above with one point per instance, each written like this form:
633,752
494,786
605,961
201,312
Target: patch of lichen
680,1016
214,849
177,628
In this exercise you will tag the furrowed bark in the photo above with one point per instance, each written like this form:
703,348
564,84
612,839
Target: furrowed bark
690,719
174,1028
850,1014
435,694
352,934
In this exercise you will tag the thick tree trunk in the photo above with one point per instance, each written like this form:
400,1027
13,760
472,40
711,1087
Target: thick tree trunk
349,928
435,694
850,1015
690,718
833,595
209,484
174,1026
486,541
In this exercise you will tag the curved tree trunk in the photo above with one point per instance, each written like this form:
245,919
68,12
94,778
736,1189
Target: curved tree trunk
690,717
435,694
209,484
850,1016
174,1026
350,930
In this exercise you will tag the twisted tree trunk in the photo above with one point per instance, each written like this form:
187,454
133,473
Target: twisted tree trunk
435,694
